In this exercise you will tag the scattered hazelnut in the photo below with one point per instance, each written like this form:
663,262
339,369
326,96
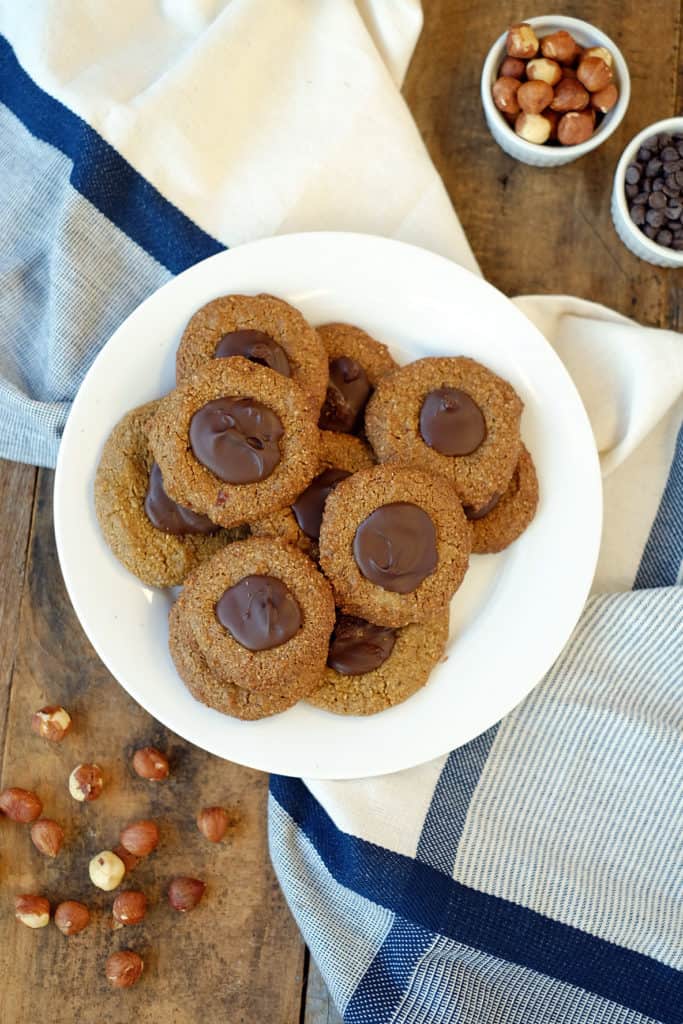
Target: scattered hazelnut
560,46
512,67
86,782
52,723
594,73
542,70
605,99
533,97
521,42
72,917
129,859
185,893
213,823
31,910
602,52
140,838
149,763
575,127
129,907
504,94
47,836
533,128
20,805
106,870
124,969
570,95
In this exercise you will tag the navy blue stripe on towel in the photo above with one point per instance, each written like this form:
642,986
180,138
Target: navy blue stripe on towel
663,554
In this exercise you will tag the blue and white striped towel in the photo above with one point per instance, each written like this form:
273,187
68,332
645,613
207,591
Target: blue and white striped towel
534,875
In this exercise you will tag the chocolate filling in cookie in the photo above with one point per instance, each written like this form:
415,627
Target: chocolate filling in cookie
451,422
473,513
358,647
236,439
257,347
395,547
164,514
259,612
348,391
308,507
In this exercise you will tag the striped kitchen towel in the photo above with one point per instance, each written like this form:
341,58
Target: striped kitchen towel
534,874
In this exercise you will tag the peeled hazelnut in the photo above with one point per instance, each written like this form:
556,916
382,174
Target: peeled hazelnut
504,94
124,969
602,52
575,127
533,97
31,910
521,42
149,763
86,782
560,46
20,805
52,723
140,838
594,73
129,907
570,95
512,67
106,870
542,70
533,128
605,99
129,859
72,917
185,893
47,836
213,823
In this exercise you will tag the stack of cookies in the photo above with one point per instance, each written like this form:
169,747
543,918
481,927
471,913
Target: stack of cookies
317,503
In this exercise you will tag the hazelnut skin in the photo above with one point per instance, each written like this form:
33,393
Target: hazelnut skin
568,73
504,94
605,99
47,836
129,907
512,67
533,97
594,74
124,968
542,70
521,42
533,128
86,782
71,917
185,893
554,118
602,52
575,127
570,95
32,910
51,723
20,805
213,823
140,838
560,46
149,763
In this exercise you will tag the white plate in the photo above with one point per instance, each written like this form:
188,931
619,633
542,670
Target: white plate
514,612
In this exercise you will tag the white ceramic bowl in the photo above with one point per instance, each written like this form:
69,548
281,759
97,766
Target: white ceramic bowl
632,237
553,156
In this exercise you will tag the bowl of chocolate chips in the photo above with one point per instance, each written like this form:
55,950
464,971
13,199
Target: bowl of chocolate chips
647,198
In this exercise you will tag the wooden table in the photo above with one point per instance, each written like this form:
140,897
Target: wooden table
239,957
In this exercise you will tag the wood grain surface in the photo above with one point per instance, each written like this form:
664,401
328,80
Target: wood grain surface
239,956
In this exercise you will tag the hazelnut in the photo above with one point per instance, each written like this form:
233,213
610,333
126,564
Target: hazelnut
575,127
554,118
129,907
124,969
543,70
149,763
185,893
140,838
560,46
568,73
570,95
533,97
72,917
602,52
605,99
52,723
106,870
20,805
31,910
533,128
129,859
86,782
47,836
521,42
594,73
504,94
213,823
512,67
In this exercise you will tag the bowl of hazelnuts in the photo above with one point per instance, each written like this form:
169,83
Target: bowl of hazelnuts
553,89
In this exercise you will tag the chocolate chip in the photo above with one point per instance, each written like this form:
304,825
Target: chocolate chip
669,153
633,174
657,201
641,199
657,185
653,167
673,212
631,191
637,215
665,237
644,154
650,232
655,218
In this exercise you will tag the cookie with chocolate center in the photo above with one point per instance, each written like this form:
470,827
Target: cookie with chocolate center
506,517
357,362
